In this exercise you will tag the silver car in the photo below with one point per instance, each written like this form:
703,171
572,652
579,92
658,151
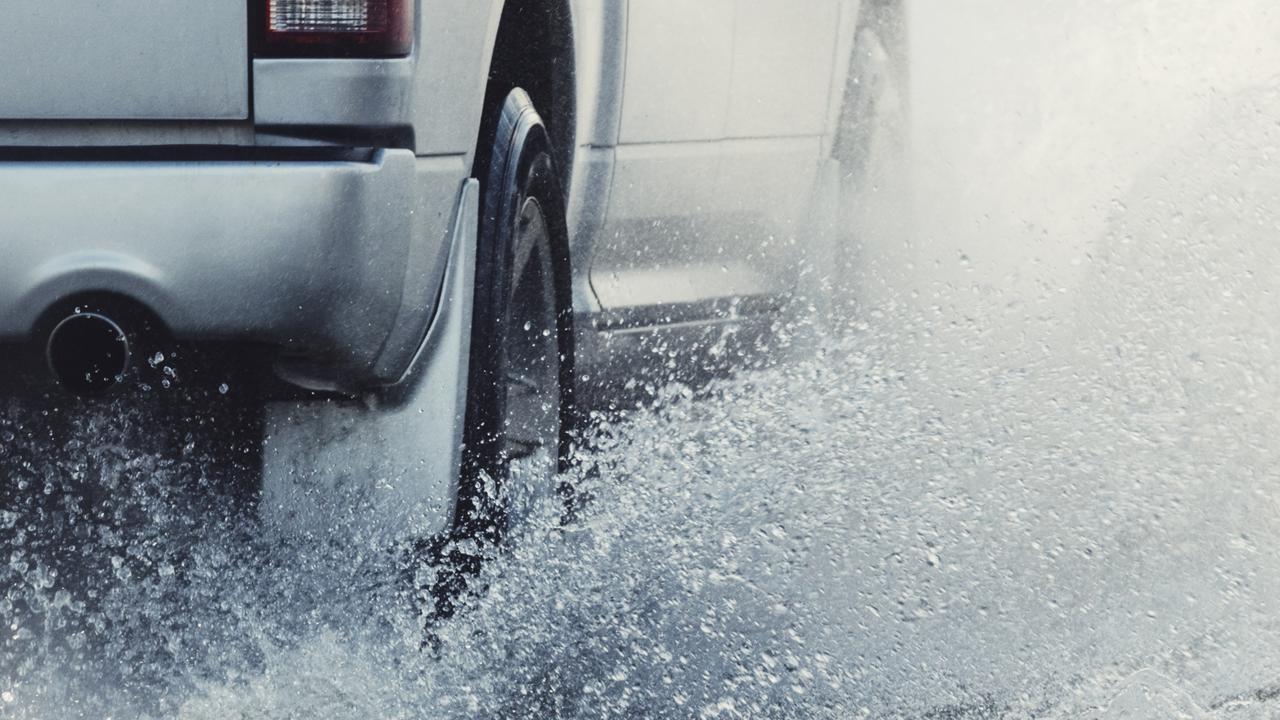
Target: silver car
433,220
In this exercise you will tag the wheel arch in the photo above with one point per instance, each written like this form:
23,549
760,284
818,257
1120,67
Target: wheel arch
533,48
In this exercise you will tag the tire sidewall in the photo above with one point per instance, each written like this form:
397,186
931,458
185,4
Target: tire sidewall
520,167
873,195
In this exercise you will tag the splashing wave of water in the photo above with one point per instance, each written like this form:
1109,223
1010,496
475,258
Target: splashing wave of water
837,536
911,520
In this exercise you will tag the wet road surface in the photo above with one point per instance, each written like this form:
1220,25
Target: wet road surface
1035,476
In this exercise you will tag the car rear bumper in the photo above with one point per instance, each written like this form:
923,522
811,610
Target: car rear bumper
338,262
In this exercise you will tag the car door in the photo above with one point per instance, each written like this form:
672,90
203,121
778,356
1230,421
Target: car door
675,101
784,61
724,105
124,60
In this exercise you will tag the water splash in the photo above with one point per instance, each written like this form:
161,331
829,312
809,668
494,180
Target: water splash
883,528
981,502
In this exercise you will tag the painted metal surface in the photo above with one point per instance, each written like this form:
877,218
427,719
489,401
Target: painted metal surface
123,59
723,116
320,255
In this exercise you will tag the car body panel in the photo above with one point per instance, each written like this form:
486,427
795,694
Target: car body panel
436,93
326,256
673,170
124,60
678,71
654,143
780,87
714,170
600,32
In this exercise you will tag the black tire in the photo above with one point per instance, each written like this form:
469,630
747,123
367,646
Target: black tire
519,174
872,147
518,169
875,107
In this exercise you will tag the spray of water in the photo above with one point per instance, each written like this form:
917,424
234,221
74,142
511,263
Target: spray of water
977,499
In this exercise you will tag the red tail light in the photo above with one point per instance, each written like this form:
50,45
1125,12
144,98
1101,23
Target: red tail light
336,28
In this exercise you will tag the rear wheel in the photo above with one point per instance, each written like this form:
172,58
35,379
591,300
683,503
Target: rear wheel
872,149
530,423
519,381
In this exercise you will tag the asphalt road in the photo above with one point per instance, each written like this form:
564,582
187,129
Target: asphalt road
1036,476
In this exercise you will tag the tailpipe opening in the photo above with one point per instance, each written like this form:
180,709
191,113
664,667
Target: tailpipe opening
88,353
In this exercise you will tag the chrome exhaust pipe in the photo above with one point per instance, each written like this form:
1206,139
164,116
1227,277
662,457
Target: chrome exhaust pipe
88,353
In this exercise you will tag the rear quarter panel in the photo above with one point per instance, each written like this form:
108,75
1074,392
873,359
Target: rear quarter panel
437,93
455,45
123,60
